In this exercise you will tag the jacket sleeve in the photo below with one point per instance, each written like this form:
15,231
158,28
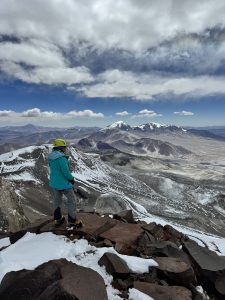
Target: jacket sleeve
63,163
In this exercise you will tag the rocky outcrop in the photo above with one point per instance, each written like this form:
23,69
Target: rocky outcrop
209,268
114,265
163,292
12,217
57,279
182,265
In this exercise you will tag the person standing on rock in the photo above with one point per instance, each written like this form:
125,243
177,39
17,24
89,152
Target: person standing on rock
61,183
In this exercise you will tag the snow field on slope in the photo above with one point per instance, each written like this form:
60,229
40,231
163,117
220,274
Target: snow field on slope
33,250
10,156
24,176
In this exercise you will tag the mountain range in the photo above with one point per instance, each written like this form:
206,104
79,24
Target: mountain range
165,171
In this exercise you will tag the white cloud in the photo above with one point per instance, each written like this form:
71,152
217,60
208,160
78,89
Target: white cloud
48,38
33,53
147,113
6,113
47,75
48,118
37,113
184,113
85,113
119,84
34,112
128,24
122,113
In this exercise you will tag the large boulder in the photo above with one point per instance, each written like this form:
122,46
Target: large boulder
54,280
175,271
114,265
148,246
158,292
209,268
125,236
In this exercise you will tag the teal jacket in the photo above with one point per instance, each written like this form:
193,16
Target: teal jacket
59,171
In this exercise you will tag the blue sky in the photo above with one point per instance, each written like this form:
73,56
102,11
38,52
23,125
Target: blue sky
91,63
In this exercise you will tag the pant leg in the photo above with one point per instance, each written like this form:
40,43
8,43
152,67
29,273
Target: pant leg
71,204
57,203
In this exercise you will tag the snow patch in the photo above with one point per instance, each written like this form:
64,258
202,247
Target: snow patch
33,250
137,295
24,176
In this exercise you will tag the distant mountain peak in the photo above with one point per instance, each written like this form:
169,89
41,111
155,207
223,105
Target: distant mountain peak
143,127
119,125
150,125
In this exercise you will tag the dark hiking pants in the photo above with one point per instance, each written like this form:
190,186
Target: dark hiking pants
71,204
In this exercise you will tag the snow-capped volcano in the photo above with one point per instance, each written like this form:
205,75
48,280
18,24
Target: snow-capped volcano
144,127
158,127
119,125
148,127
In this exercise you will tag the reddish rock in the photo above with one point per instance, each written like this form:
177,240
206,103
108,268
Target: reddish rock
57,279
156,230
172,233
123,234
93,225
175,271
114,265
158,292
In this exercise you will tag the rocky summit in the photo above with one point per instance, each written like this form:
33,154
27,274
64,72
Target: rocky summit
178,268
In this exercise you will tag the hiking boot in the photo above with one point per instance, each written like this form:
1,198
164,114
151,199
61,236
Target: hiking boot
74,225
59,221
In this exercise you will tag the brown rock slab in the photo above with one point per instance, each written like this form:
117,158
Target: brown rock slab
175,271
114,265
54,280
205,258
26,284
209,267
93,225
123,233
172,233
158,292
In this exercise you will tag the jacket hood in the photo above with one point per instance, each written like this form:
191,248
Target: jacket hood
55,154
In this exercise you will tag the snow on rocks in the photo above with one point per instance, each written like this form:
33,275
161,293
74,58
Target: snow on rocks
98,247
137,295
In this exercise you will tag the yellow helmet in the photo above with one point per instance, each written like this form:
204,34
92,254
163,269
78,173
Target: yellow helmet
59,143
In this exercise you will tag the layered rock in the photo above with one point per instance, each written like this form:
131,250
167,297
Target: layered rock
12,217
